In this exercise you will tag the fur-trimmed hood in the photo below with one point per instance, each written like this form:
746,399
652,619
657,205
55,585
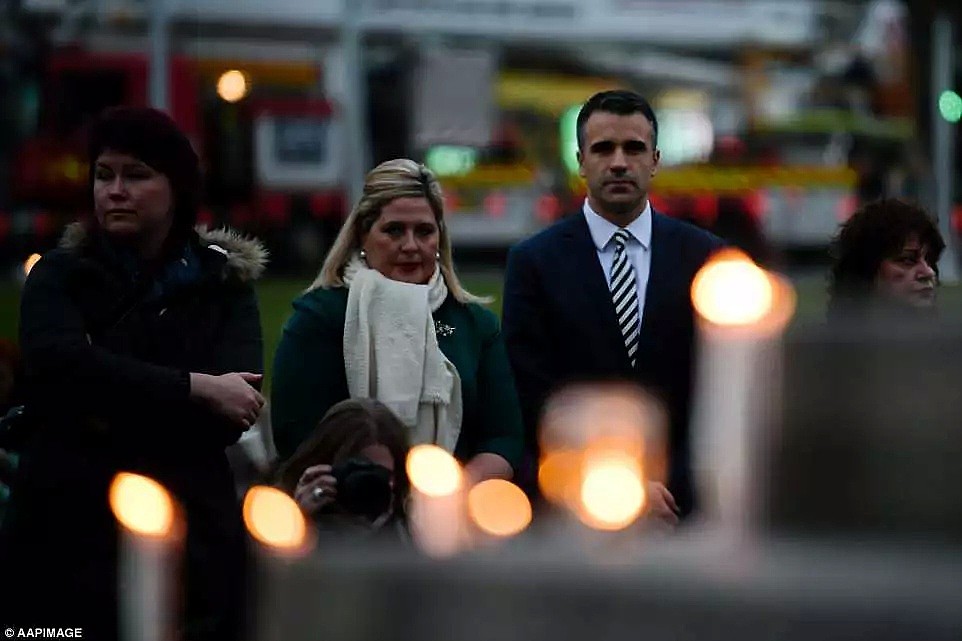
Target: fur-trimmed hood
246,257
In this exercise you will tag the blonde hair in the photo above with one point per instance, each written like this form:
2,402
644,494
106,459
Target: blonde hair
398,178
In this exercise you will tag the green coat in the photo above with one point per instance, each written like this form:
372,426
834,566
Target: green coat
309,377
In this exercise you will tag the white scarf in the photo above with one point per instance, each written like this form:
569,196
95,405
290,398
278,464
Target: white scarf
389,336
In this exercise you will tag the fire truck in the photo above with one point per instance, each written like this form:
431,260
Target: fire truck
267,154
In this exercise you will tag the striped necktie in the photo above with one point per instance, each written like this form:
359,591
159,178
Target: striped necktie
624,294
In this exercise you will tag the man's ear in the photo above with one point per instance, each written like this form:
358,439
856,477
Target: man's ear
581,167
657,158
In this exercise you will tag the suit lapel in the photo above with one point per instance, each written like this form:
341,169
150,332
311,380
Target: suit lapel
592,301
663,271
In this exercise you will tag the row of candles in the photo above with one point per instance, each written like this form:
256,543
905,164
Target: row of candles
446,518
601,446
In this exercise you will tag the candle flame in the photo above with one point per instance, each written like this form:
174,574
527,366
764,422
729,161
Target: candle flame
141,505
499,508
732,290
274,519
433,471
612,490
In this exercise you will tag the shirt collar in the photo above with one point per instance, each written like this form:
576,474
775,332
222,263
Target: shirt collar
602,230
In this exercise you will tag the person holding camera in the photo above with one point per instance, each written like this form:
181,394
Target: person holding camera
388,318
142,353
349,474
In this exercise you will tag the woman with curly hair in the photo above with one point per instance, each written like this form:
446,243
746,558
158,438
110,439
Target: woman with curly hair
885,258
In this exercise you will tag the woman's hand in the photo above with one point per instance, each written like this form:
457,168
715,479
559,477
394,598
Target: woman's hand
230,395
315,489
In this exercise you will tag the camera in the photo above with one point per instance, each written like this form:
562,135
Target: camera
363,487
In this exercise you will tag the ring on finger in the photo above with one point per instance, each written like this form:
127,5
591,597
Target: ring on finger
317,492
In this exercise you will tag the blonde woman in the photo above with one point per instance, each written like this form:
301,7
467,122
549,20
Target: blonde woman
387,318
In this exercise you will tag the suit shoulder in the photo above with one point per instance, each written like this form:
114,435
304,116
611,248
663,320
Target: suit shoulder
691,234
549,235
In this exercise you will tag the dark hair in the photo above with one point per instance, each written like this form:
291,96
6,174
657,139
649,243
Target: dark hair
346,429
874,233
152,137
620,102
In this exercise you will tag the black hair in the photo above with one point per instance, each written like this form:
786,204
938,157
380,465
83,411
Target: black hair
619,102
152,137
874,233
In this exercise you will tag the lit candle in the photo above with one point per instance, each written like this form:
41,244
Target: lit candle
151,545
281,535
498,510
601,444
437,509
742,312
612,490
275,520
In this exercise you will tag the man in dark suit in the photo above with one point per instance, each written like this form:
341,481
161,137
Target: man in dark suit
603,294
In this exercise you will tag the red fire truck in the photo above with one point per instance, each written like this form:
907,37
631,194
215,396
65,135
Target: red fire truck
269,158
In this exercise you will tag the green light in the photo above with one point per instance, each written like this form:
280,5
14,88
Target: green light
448,160
950,105
569,138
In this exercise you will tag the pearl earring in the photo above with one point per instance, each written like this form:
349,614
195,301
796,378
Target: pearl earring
437,255
363,255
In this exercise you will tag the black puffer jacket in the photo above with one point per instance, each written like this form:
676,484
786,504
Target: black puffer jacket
107,365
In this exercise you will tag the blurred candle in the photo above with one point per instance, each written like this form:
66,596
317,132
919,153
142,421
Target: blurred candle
742,313
437,501
600,446
151,548
499,508
281,535
275,520
612,490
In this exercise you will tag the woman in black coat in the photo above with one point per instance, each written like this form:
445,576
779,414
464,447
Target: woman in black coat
142,349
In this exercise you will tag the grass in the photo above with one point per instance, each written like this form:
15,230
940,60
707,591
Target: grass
275,296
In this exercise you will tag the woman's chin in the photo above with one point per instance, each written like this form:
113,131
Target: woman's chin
121,229
412,276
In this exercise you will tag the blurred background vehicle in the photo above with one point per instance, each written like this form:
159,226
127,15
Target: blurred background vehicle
776,118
